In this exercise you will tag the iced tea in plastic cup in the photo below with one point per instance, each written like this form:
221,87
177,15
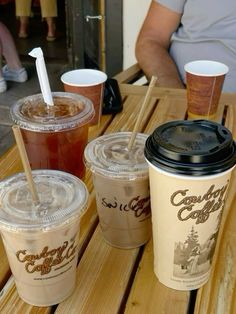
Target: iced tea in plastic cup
55,136
120,179
89,83
190,164
204,80
41,240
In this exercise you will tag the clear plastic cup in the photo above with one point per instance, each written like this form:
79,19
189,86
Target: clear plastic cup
190,164
121,184
41,240
55,136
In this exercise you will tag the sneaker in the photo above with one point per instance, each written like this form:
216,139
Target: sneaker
19,76
3,85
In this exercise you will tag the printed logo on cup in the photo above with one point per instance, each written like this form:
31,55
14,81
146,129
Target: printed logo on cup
194,249
48,259
213,200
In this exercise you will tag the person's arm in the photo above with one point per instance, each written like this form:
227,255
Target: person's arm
153,43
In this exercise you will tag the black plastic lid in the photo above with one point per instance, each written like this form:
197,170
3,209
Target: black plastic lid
197,147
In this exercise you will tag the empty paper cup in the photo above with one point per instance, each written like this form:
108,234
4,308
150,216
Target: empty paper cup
204,80
89,83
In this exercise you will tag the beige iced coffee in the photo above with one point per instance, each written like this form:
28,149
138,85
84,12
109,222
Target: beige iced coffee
121,183
41,240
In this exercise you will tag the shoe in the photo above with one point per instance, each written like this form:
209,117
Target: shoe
23,35
3,85
51,38
19,76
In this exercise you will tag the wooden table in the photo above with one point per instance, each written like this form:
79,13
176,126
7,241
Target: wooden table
111,280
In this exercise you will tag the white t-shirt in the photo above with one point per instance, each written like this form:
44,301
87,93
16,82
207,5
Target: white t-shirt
207,32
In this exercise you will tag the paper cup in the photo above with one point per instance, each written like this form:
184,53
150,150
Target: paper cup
89,83
204,80
190,164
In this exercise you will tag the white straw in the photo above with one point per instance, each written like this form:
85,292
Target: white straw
42,75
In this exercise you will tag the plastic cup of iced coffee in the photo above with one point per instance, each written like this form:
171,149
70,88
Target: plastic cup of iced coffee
120,179
41,240
55,136
190,164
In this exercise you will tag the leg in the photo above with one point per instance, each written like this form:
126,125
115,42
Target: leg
23,10
49,12
24,24
13,70
51,27
8,48
3,84
1,77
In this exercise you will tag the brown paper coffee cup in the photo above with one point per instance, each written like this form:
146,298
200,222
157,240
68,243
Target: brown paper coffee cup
204,80
88,83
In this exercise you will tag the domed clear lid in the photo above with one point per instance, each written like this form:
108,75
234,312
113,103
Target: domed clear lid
109,155
62,196
69,111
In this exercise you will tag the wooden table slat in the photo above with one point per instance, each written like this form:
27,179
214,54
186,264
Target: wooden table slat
219,294
102,276
10,163
148,295
230,121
